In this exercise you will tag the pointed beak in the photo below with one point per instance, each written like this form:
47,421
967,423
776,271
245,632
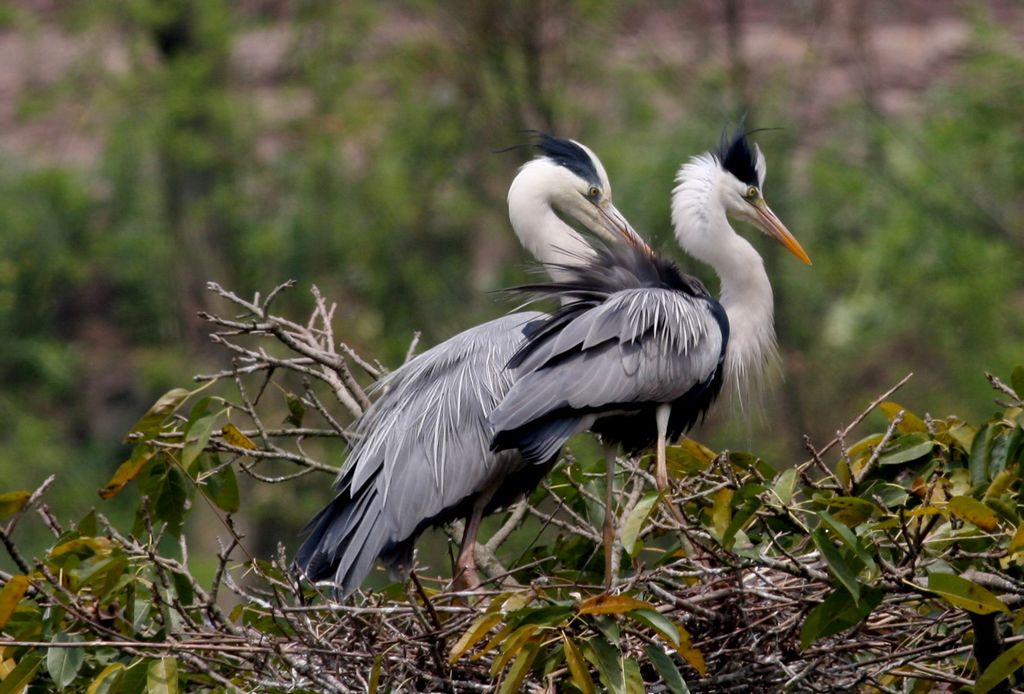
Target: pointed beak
771,225
619,227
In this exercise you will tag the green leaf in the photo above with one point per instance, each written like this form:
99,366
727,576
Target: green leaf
631,677
197,435
296,410
977,463
1002,667
965,594
837,566
162,676
998,453
14,590
513,680
973,511
220,487
785,485
63,663
23,673
660,623
837,612
962,433
667,670
149,424
13,502
748,504
635,522
168,490
848,538
608,661
676,635
1017,381
134,677
906,448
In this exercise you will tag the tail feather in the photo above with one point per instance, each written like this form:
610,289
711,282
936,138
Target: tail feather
344,540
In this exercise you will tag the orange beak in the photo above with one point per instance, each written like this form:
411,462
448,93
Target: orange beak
771,225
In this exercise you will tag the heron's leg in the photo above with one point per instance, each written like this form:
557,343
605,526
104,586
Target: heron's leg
661,470
465,576
609,516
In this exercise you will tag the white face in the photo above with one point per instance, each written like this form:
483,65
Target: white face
745,202
739,198
589,204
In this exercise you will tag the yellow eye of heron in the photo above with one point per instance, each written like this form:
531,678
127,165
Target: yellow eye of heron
751,193
594,193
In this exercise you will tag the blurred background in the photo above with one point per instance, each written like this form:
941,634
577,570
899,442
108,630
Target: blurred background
149,146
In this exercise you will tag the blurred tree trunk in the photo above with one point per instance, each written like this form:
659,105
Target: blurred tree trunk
192,41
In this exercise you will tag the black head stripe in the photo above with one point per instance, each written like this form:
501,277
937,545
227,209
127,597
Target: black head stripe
570,155
738,157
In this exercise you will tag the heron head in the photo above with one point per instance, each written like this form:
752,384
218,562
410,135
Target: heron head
742,183
570,179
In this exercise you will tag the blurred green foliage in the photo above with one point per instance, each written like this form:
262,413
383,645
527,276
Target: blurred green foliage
361,160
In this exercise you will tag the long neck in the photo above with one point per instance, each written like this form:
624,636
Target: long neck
542,232
704,232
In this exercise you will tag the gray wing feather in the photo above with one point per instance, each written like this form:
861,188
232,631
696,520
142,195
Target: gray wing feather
640,345
424,443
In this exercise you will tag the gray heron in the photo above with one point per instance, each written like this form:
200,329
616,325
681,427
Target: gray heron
421,456
638,351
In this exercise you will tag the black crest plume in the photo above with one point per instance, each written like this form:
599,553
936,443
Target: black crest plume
564,153
737,156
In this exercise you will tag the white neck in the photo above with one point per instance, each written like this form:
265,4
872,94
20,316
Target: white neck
703,231
542,232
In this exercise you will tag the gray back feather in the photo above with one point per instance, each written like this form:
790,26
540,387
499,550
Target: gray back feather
420,450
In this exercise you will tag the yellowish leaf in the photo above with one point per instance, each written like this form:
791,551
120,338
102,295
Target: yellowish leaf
99,545
1000,484
923,511
483,624
14,590
697,450
12,502
691,653
721,510
965,594
578,667
612,604
911,422
127,471
512,647
100,684
973,511
234,437
1017,543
